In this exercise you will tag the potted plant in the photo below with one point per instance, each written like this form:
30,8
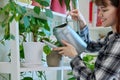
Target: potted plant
27,23
53,59
37,29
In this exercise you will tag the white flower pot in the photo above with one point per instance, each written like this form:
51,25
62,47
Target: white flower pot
33,52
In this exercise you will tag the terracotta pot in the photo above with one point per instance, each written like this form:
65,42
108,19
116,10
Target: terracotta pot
55,6
34,3
54,59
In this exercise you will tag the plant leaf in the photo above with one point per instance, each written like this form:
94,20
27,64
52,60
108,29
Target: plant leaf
60,1
49,13
12,36
26,21
37,10
67,3
27,78
46,49
21,51
72,78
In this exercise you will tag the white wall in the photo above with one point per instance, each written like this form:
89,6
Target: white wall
84,9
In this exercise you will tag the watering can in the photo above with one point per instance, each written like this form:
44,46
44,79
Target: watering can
65,32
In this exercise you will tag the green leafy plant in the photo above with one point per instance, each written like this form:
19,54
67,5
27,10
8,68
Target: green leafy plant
89,61
27,23
10,11
71,74
39,27
13,11
41,75
47,49
67,3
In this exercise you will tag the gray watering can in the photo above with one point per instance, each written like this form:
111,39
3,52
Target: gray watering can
65,32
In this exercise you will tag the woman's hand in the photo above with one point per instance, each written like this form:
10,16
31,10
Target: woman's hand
74,14
77,16
67,50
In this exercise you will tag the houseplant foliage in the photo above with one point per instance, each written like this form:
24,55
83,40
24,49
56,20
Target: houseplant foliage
89,60
41,75
14,11
28,23
68,5
52,62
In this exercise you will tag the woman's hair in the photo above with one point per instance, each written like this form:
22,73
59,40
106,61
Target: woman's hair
115,3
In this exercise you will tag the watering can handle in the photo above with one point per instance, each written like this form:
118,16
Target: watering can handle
67,18
78,28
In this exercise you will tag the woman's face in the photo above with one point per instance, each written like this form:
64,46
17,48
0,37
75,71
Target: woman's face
108,15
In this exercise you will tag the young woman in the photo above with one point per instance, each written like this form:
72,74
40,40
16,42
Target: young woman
107,65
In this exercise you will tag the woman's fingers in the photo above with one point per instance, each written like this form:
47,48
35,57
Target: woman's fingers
61,52
65,43
58,49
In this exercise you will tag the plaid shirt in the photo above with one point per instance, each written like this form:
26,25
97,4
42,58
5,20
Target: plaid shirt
107,65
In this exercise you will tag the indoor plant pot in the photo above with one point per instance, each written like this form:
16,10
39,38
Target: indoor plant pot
33,52
54,59
57,7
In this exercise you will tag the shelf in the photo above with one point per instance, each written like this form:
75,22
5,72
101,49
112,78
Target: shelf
56,16
44,68
13,67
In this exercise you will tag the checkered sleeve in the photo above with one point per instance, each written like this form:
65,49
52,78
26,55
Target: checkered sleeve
92,46
84,34
80,70
107,66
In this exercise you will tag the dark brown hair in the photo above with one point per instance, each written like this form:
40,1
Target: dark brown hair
115,3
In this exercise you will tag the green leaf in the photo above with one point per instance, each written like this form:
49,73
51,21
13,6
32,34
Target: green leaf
7,36
12,6
46,26
47,49
32,20
74,4
2,42
60,1
21,10
41,34
70,73
87,60
72,78
27,78
11,18
44,3
21,28
12,36
21,51
49,13
67,3
37,10
26,21
17,18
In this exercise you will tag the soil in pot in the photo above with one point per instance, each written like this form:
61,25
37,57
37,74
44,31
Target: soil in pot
54,59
